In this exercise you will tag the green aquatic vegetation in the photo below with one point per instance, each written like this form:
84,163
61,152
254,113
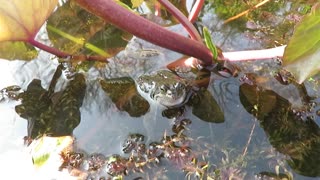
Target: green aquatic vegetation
124,94
287,131
55,114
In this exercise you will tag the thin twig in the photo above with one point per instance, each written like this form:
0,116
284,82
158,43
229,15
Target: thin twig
249,139
245,12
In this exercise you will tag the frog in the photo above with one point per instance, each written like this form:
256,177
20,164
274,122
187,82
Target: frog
165,88
174,92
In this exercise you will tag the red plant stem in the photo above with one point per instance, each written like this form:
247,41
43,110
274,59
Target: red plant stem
182,19
254,54
149,31
195,11
48,48
61,54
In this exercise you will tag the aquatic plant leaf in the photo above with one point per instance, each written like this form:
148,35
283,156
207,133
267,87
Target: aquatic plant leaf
207,109
302,55
70,26
109,39
55,114
256,103
124,94
63,115
17,50
74,30
290,134
209,43
21,20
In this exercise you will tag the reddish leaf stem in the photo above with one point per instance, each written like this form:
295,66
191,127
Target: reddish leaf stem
49,49
195,11
142,28
182,19
254,54
61,54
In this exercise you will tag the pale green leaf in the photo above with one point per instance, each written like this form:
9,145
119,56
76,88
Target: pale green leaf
302,55
209,43
17,50
21,20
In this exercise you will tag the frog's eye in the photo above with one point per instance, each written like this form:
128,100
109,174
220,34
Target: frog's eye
163,88
178,85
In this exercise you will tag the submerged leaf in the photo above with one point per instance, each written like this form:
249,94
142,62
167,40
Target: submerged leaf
21,20
207,108
74,30
302,54
17,50
124,94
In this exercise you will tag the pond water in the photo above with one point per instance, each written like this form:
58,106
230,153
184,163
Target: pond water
268,130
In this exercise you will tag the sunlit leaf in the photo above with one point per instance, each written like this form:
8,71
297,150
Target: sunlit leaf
209,43
17,50
46,151
21,20
302,55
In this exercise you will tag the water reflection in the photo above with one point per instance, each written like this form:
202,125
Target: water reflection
287,132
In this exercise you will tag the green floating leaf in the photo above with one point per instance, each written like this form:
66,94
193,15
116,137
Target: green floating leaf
209,43
207,108
302,55
17,50
124,94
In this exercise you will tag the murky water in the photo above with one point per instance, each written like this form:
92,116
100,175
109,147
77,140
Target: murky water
245,145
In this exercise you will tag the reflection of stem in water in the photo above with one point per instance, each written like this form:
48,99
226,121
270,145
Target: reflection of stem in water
249,139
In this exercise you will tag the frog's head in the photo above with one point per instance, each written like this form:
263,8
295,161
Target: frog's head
164,87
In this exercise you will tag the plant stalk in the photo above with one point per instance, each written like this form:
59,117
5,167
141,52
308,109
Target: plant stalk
144,29
182,19
195,11
254,54
61,54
